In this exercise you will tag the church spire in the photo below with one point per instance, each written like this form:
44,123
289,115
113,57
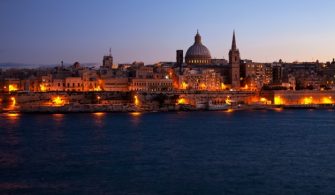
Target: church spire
233,45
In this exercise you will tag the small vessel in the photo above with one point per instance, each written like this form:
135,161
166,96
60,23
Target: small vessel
218,106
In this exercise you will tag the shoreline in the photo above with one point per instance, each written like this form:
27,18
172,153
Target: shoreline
162,110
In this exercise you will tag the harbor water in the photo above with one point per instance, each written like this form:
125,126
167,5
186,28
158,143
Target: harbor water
217,152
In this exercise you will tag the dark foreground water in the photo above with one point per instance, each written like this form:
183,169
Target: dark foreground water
249,152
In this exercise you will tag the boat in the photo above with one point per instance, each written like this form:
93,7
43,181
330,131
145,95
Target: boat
220,106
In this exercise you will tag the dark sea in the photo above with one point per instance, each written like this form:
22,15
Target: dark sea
245,152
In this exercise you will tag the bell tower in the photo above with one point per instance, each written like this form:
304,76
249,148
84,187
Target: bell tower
234,62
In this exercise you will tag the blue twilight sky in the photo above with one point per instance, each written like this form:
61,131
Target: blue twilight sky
48,31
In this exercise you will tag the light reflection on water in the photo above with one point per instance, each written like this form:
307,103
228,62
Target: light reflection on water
12,116
135,118
99,119
188,152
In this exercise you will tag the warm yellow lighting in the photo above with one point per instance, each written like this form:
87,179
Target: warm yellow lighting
135,113
228,100
12,115
263,99
58,101
98,88
99,114
278,100
327,100
12,88
184,85
13,101
230,110
223,86
43,88
136,100
181,101
202,86
308,100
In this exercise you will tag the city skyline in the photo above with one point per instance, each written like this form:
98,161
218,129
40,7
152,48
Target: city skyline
38,32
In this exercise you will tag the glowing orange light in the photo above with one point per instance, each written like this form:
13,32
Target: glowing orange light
278,100
327,100
43,88
58,101
99,113
184,85
12,115
12,88
136,100
98,88
13,101
263,99
228,100
181,101
308,100
202,86
223,86
135,113
230,110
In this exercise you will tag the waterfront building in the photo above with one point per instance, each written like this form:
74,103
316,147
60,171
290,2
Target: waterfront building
150,85
253,75
115,84
11,85
58,85
201,79
73,84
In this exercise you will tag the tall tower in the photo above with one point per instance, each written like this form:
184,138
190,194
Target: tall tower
234,62
107,61
180,61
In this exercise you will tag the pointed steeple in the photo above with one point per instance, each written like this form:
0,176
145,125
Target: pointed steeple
197,38
233,45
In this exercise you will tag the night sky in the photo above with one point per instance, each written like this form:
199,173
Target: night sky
48,31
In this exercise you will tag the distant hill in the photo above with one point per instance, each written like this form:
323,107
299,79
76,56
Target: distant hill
8,65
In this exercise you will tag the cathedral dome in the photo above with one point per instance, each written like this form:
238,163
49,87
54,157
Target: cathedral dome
198,54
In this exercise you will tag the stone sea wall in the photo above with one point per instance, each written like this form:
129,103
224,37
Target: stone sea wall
115,101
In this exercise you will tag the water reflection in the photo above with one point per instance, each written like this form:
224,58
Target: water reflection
12,116
58,118
135,114
98,118
135,118
57,134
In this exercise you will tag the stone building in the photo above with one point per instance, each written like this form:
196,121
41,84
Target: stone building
198,54
234,62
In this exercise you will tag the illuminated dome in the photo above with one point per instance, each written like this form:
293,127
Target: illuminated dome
198,54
